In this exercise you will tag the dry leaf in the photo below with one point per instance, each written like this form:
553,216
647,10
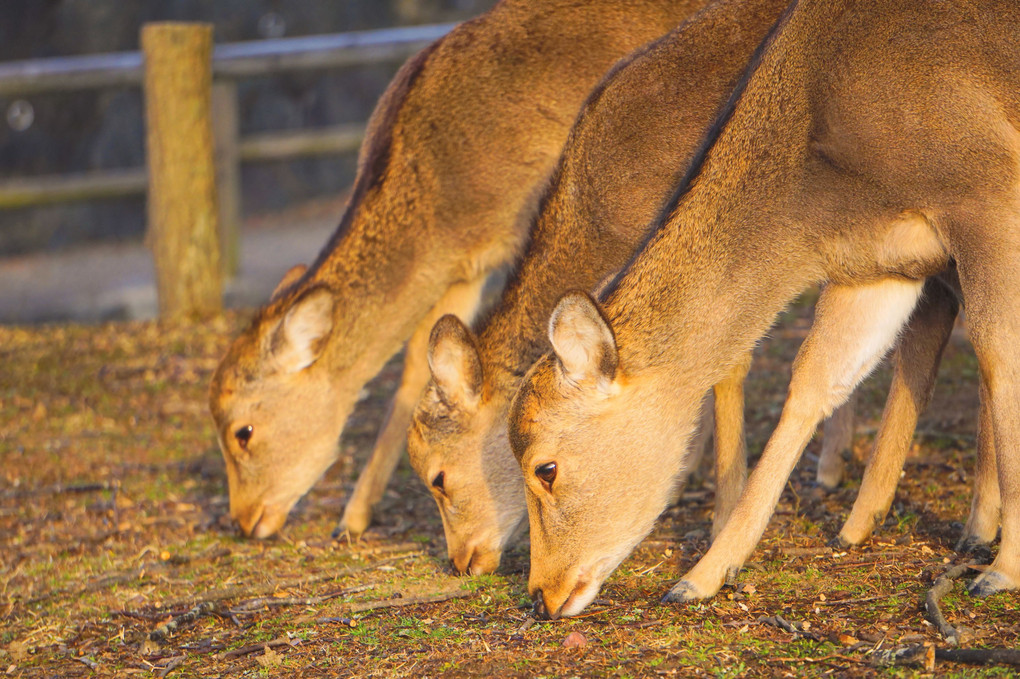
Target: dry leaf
575,640
18,650
269,658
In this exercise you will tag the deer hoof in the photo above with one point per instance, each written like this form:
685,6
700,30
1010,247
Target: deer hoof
840,543
353,526
970,544
989,583
681,593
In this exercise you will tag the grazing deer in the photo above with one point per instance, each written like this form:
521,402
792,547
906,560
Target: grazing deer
870,145
630,146
455,156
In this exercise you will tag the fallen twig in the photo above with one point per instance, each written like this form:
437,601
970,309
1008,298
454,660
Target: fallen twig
861,600
526,625
88,662
409,601
215,595
784,624
780,622
254,648
918,655
181,559
168,628
252,605
123,577
888,559
980,656
943,584
58,489
831,658
807,551
169,665
347,622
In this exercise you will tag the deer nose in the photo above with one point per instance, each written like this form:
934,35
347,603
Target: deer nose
538,609
248,520
461,561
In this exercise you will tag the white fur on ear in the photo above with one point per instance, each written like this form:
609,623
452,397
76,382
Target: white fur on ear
582,340
290,278
454,362
300,338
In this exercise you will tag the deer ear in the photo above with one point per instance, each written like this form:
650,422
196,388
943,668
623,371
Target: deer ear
301,336
454,362
582,339
290,278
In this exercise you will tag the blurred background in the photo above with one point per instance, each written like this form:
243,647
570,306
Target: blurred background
98,129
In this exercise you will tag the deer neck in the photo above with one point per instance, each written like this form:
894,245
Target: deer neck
380,276
734,248
594,215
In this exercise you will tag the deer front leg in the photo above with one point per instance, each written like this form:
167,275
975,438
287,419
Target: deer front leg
699,444
461,299
854,327
915,365
730,447
838,437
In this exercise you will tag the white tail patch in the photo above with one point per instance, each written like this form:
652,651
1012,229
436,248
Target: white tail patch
870,319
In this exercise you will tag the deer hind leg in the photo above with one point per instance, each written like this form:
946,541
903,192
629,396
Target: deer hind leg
461,299
854,327
915,364
983,523
730,446
992,297
836,442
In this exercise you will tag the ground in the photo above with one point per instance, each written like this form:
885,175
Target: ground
113,519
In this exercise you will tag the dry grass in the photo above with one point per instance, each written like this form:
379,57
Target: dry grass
112,521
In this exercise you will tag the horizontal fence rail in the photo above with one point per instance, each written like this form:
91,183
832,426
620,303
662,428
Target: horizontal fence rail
188,285
230,60
103,184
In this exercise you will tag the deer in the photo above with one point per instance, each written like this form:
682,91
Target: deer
869,146
634,137
455,155
632,141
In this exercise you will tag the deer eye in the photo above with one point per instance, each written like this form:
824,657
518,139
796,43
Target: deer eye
546,473
437,482
243,435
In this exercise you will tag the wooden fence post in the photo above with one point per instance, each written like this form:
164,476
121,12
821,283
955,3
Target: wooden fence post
182,176
226,137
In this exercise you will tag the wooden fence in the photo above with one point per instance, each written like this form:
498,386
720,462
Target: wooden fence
228,63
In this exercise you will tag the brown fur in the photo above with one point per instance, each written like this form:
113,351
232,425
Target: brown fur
871,145
456,153
632,142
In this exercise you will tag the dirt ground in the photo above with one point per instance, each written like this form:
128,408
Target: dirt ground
113,520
